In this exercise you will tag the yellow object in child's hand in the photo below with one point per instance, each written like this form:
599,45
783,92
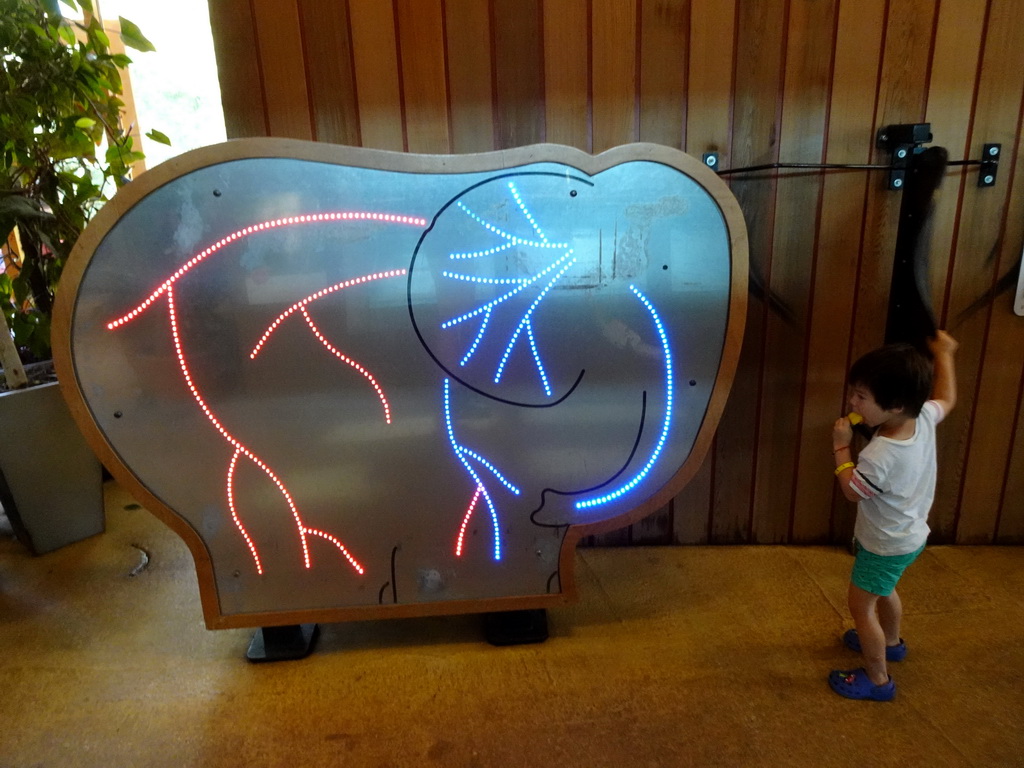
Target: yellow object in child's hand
855,418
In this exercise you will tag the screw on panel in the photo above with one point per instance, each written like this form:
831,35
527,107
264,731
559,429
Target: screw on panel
989,165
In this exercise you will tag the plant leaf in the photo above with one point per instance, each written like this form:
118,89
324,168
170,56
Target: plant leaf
85,122
159,137
132,36
66,34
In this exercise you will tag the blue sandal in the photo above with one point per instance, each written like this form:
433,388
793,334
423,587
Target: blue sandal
892,652
855,684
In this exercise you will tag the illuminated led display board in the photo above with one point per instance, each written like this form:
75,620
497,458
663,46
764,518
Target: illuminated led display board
367,384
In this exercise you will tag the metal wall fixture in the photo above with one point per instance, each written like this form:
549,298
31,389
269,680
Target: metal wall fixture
902,141
989,164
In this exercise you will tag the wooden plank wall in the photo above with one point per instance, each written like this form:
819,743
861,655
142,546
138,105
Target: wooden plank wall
759,81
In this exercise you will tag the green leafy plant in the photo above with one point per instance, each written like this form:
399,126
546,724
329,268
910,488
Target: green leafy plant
65,150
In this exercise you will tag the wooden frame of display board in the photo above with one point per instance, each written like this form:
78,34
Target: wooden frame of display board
363,384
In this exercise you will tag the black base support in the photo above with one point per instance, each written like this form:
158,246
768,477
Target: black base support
287,643
516,627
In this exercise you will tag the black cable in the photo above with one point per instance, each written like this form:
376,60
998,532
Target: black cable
827,166
812,166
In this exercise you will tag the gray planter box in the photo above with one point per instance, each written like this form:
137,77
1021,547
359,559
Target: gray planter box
51,483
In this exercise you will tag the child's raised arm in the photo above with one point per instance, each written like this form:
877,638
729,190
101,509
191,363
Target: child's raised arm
944,383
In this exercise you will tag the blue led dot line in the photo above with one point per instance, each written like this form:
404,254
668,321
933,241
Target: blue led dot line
526,212
525,321
493,303
485,280
459,454
512,239
631,484
494,470
480,254
536,358
476,341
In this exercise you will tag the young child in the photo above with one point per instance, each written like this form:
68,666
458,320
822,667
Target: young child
893,483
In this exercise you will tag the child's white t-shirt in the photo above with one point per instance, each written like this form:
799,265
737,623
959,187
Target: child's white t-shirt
896,482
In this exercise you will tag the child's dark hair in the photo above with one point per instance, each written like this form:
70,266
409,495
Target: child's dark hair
897,375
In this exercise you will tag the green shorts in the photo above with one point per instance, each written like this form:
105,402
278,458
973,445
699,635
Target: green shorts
878,574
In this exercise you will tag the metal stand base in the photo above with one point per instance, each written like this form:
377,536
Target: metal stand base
294,641
516,627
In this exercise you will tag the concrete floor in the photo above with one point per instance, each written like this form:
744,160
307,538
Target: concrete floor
696,656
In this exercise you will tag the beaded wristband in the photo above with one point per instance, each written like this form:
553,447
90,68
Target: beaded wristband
841,467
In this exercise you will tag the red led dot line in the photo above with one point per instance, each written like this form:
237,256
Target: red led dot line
239,448
349,361
179,351
334,540
299,305
234,513
390,218
465,520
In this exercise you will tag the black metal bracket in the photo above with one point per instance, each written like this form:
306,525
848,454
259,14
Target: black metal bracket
902,141
516,627
910,317
711,160
989,164
294,641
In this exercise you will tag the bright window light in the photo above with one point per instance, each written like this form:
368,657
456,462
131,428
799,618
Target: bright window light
176,89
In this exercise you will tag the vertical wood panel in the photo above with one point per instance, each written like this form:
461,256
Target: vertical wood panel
664,32
691,509
1006,335
468,29
284,82
375,55
709,81
759,54
973,272
656,528
958,46
566,73
858,41
957,56
424,83
1011,519
238,68
519,72
980,424
710,78
901,99
332,85
805,101
613,59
